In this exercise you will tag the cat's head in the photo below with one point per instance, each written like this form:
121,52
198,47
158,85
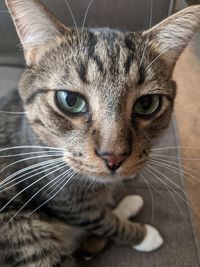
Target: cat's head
102,95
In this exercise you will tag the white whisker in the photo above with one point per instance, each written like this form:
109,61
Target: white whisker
12,113
22,160
34,147
30,153
174,168
44,163
152,62
147,40
65,183
169,190
27,178
62,166
68,172
173,157
86,13
151,194
73,18
19,193
177,187
176,147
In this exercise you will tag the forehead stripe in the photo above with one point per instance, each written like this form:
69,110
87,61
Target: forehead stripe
131,47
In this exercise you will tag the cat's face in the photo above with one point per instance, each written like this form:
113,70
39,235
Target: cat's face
96,99
101,95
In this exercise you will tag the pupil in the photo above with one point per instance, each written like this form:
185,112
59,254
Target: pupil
146,102
71,100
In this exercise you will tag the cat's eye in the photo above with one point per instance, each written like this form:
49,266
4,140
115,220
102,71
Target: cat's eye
148,105
71,102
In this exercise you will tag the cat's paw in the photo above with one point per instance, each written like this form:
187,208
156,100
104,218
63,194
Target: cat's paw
152,240
129,206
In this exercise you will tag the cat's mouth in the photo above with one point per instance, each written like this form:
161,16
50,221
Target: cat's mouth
101,173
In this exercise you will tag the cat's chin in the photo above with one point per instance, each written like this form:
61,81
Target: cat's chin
113,178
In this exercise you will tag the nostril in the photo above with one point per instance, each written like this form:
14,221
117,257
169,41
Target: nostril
113,162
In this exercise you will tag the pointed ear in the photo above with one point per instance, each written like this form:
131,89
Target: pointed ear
35,25
171,36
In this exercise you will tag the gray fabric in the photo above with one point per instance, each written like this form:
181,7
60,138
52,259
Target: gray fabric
171,218
123,14
9,78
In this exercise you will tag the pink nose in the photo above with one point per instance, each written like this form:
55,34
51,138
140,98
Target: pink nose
113,162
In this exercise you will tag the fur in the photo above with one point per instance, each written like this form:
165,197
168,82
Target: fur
72,197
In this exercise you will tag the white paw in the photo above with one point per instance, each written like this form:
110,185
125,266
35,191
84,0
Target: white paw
129,206
152,240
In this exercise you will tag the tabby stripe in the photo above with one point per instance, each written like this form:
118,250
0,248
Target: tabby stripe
112,231
92,41
141,75
32,97
35,258
128,63
89,224
131,47
99,63
82,71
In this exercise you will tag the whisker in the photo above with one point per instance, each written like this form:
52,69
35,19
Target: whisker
178,187
44,163
176,147
65,182
30,153
174,168
174,157
168,189
12,113
161,160
22,160
153,61
86,13
73,18
70,171
151,194
27,178
19,193
147,40
62,166
34,147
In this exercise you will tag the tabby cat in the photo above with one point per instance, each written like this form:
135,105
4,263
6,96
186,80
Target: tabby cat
94,100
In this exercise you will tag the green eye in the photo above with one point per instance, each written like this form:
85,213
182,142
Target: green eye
71,102
148,105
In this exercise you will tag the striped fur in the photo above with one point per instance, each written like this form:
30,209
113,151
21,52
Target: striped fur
111,69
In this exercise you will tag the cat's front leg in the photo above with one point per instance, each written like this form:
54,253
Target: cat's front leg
129,207
115,225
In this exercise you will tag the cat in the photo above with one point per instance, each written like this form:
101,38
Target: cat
94,100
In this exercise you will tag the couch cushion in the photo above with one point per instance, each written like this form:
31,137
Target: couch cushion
9,78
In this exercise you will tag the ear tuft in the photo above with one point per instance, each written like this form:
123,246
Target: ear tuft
34,23
171,36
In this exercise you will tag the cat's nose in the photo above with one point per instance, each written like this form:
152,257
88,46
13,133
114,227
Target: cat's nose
113,162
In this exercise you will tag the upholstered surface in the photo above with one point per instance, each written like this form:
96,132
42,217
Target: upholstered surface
165,208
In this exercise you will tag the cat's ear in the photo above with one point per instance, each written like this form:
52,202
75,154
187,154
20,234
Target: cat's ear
171,36
35,25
